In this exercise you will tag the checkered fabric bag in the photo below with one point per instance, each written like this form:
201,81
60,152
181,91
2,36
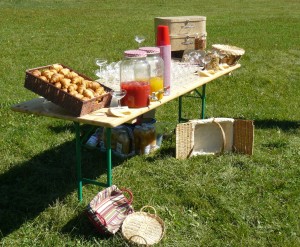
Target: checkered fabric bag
109,208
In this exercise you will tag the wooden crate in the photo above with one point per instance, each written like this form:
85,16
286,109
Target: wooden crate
75,106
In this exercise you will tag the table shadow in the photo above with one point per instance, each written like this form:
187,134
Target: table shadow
28,188
284,125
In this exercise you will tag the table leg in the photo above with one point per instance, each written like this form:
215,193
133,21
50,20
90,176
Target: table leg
78,161
180,109
203,98
108,154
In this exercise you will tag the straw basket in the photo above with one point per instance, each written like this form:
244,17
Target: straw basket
232,54
214,136
143,228
75,106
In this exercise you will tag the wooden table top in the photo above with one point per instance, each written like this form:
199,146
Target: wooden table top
180,86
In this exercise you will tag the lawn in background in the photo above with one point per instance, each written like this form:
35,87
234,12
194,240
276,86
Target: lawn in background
229,200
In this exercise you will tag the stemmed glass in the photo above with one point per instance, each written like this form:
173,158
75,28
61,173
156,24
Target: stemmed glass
139,39
205,60
221,55
118,94
100,62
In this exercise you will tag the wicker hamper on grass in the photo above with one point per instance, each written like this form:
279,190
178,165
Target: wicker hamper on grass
109,208
143,228
213,136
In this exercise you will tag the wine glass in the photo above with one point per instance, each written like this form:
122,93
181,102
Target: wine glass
139,39
100,62
205,60
221,56
118,94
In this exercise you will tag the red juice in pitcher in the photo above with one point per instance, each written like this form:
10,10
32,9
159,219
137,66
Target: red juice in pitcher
137,95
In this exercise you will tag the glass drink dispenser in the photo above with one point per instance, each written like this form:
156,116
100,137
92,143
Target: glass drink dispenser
135,79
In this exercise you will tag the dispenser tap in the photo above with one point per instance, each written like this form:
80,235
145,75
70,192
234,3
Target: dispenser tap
153,96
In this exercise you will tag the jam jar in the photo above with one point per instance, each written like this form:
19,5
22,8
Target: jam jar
135,79
156,72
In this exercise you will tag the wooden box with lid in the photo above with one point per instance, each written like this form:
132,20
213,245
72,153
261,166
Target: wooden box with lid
182,30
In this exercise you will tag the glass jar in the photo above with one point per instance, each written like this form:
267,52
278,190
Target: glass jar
144,138
121,141
200,42
156,72
135,79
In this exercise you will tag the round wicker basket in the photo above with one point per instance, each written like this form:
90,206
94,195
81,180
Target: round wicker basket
232,54
143,228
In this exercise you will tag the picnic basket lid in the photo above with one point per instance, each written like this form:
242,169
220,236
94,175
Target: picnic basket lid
143,228
229,49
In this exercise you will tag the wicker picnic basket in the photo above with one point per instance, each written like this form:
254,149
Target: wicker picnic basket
143,228
232,53
109,208
214,136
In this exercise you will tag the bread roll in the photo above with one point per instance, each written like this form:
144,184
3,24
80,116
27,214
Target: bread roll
57,67
56,78
72,87
72,75
85,98
64,71
47,73
95,85
77,80
65,82
36,73
80,89
73,92
88,93
58,85
78,95
100,90
43,78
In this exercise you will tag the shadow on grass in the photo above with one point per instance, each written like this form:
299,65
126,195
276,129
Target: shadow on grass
29,188
81,226
284,125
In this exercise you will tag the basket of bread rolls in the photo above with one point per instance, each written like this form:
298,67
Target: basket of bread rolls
75,92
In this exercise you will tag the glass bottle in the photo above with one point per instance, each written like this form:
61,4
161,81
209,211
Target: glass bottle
94,139
200,41
156,72
135,79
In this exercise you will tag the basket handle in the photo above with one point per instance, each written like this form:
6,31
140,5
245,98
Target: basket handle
147,206
223,135
139,237
101,219
130,199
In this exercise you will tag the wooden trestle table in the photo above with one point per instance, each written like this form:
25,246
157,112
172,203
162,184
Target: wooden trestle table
179,87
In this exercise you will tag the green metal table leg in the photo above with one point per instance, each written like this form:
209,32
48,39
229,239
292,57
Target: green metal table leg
78,160
108,154
203,97
179,109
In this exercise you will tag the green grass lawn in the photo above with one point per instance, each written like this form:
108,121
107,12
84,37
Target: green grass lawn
228,200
